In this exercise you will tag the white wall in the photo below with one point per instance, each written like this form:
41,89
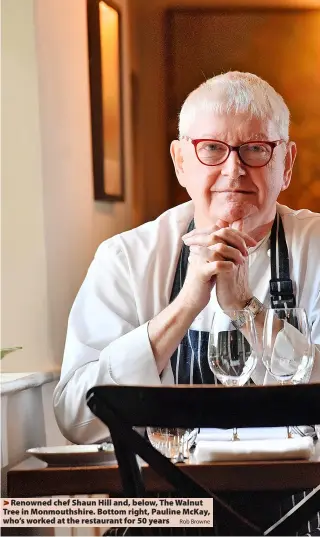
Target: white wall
74,223
24,274
52,229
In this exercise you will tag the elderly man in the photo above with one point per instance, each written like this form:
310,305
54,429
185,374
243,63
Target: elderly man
150,288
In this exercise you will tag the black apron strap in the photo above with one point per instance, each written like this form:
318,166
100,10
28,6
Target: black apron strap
182,266
281,288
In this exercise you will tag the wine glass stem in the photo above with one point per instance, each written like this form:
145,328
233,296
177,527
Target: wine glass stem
180,454
289,434
235,434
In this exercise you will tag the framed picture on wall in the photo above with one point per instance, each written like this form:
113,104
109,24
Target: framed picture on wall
105,71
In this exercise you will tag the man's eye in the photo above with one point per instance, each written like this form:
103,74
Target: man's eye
214,148
256,148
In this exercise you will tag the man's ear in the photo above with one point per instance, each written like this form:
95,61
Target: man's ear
288,164
177,158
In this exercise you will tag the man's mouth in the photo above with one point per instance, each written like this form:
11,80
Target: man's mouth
234,191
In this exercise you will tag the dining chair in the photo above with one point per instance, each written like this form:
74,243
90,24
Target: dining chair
124,408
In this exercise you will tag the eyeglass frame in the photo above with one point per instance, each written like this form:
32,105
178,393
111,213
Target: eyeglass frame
231,148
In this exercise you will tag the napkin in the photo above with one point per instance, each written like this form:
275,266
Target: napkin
252,433
243,450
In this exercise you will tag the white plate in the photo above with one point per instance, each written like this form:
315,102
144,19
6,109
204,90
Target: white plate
75,455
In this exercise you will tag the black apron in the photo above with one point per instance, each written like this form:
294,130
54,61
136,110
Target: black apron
189,362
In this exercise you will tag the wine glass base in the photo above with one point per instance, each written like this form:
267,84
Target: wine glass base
179,459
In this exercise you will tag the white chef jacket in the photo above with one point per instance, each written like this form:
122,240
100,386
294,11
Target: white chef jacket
130,281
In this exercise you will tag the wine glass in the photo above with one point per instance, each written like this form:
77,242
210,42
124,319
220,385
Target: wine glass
174,443
287,351
232,353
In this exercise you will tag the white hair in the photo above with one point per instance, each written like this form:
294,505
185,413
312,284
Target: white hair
236,92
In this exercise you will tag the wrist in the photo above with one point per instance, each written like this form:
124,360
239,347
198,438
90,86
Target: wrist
238,304
187,302
255,308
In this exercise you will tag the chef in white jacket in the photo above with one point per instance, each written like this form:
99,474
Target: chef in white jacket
139,301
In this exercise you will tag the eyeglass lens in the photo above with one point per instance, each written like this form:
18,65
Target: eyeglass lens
253,154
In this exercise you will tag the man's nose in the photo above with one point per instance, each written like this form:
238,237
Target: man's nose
233,167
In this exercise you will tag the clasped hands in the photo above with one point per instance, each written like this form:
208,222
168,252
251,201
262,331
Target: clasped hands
218,256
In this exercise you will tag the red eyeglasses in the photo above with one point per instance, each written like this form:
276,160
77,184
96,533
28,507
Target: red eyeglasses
214,152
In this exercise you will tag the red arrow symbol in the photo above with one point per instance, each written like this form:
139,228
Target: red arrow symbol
5,502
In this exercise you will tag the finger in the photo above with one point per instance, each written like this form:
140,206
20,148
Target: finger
222,223
208,241
204,255
218,225
231,237
238,239
201,251
239,225
236,233
197,231
217,267
211,268
227,253
199,255
218,252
